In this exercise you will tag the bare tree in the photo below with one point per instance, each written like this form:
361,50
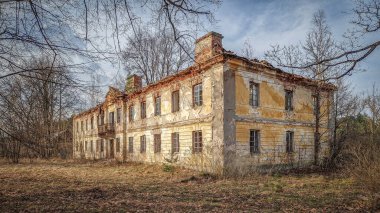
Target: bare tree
247,51
318,46
153,53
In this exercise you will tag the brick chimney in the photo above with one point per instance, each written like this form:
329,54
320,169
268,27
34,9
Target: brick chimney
133,84
208,46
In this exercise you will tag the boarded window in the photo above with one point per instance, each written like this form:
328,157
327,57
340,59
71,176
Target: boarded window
117,144
289,141
175,142
118,115
131,113
142,144
130,144
254,94
197,95
288,100
143,109
175,101
197,141
157,143
254,141
157,106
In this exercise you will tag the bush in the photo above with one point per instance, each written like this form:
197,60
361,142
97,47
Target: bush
168,168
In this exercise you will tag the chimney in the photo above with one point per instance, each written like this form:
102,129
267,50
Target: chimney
133,84
208,46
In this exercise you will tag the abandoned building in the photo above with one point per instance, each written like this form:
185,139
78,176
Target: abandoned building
223,112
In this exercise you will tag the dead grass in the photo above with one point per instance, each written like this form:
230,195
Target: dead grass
108,186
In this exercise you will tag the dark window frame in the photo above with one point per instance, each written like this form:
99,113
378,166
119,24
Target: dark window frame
197,142
143,109
118,145
197,95
289,96
175,142
130,144
175,105
289,141
254,94
254,141
131,113
157,106
142,144
157,143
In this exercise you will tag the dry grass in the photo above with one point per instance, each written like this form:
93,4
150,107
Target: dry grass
104,186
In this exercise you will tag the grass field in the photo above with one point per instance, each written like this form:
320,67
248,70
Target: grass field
106,186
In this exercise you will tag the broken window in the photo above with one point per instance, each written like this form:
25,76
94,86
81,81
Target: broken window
175,142
118,115
254,143
142,144
131,113
253,94
197,141
288,100
197,95
157,143
289,141
143,109
130,144
157,106
175,101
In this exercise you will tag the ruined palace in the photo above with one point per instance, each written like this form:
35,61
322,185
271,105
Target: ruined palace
223,112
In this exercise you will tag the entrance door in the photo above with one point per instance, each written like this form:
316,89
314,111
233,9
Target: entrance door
112,150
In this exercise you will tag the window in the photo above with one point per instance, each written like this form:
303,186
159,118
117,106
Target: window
92,122
101,121
254,144
142,144
197,141
130,144
157,143
91,147
85,146
253,94
175,101
315,103
197,95
143,109
157,106
77,126
81,126
76,146
175,142
289,141
117,144
111,118
131,113
118,115
86,124
288,100
102,145
98,145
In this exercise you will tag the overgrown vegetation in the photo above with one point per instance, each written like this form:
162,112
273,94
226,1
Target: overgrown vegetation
107,186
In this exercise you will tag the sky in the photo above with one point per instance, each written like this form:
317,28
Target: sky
284,22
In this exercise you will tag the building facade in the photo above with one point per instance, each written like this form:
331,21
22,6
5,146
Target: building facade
225,112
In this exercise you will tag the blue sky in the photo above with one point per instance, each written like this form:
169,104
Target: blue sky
284,22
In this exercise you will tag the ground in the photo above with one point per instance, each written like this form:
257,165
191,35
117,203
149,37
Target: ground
108,186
